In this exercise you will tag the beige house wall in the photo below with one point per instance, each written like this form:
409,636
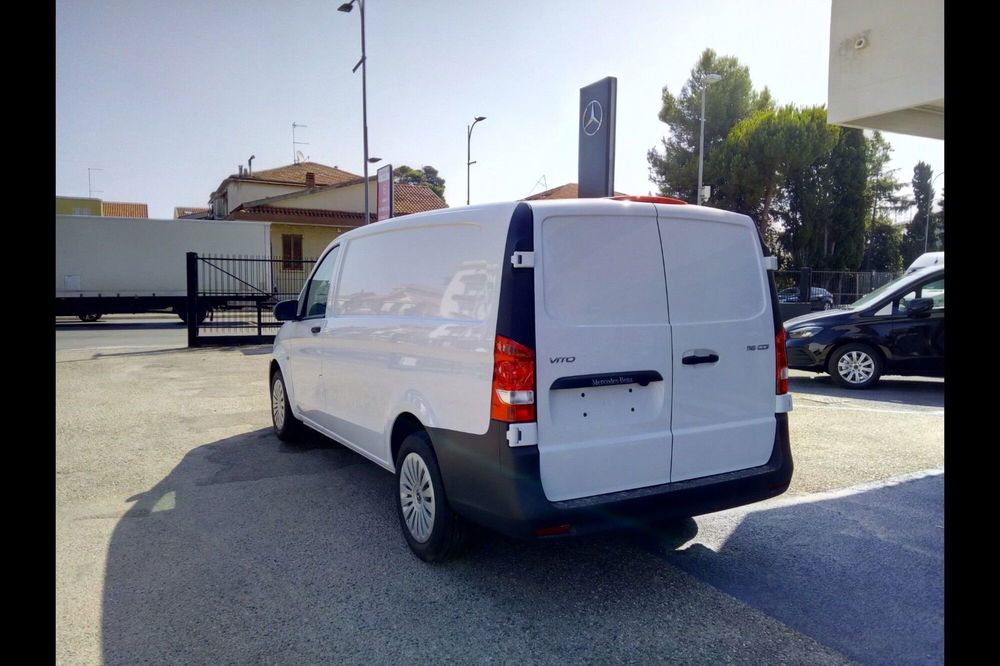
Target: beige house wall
350,198
315,238
240,192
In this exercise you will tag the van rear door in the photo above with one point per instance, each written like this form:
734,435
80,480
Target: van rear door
723,341
603,344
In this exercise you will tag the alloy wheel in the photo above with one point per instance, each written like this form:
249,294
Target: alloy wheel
416,494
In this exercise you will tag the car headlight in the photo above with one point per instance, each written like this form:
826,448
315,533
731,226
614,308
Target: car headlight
804,332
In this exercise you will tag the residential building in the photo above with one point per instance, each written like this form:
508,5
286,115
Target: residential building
191,212
90,206
567,191
308,205
121,209
77,206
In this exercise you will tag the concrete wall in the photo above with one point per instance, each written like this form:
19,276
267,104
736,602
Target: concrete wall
887,65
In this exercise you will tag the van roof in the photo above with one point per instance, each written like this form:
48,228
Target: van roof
504,210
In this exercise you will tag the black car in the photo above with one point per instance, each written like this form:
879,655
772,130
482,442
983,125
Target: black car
820,298
897,329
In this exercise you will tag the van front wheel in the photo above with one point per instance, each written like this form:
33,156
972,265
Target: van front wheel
433,531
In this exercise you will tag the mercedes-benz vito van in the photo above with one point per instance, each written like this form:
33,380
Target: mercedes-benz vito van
544,368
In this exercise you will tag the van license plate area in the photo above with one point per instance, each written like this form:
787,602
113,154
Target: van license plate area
606,405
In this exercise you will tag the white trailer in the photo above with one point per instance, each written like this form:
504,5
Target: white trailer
127,265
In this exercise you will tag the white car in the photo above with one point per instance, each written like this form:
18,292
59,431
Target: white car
547,368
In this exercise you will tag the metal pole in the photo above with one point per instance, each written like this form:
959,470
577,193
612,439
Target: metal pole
701,141
468,156
930,205
364,104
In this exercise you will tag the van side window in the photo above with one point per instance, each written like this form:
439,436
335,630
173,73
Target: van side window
933,289
318,289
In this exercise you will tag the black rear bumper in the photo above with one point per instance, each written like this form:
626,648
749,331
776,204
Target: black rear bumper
500,487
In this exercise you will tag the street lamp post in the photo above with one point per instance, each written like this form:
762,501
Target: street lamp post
346,7
930,205
468,155
707,80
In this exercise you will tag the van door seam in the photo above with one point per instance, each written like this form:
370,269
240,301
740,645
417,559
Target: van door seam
670,330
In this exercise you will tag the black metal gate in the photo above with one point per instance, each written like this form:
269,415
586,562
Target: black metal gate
234,297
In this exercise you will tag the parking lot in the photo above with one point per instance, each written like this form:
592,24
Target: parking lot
187,533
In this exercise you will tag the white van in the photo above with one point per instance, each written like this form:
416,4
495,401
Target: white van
925,260
545,368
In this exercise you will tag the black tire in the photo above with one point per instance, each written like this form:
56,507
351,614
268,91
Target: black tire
202,315
432,530
93,316
855,366
286,426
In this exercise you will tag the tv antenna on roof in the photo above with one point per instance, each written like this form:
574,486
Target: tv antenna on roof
295,152
541,180
90,187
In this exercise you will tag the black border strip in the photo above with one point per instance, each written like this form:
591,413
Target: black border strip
640,377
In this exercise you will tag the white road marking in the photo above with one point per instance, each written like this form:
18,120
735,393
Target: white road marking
928,412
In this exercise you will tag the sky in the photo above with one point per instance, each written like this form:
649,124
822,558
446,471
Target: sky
158,101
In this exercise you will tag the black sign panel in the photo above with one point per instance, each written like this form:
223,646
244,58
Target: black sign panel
596,162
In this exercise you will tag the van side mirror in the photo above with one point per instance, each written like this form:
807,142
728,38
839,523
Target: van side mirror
919,307
287,310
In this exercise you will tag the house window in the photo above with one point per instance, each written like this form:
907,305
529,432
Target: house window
291,252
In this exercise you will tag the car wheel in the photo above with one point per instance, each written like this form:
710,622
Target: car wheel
433,531
827,305
93,316
856,366
286,426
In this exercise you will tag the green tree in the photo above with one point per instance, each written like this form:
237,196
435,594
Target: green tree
920,230
825,207
675,170
761,152
426,175
883,246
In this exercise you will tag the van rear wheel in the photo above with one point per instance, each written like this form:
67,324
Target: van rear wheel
432,530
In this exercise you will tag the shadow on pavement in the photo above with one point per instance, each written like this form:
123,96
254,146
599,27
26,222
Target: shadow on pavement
927,392
253,551
863,574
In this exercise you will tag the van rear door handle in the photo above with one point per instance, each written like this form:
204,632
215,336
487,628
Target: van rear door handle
316,329
694,359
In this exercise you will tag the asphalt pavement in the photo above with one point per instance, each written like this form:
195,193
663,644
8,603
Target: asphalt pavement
186,533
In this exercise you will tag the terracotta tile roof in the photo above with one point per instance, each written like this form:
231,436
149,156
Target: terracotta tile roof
334,218
118,209
180,211
567,191
296,173
408,199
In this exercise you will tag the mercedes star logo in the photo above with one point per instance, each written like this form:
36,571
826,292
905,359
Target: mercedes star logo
593,116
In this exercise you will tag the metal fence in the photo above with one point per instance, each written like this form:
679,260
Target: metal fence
235,296
845,286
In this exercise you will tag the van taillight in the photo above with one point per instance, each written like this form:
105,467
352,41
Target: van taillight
513,382
780,363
